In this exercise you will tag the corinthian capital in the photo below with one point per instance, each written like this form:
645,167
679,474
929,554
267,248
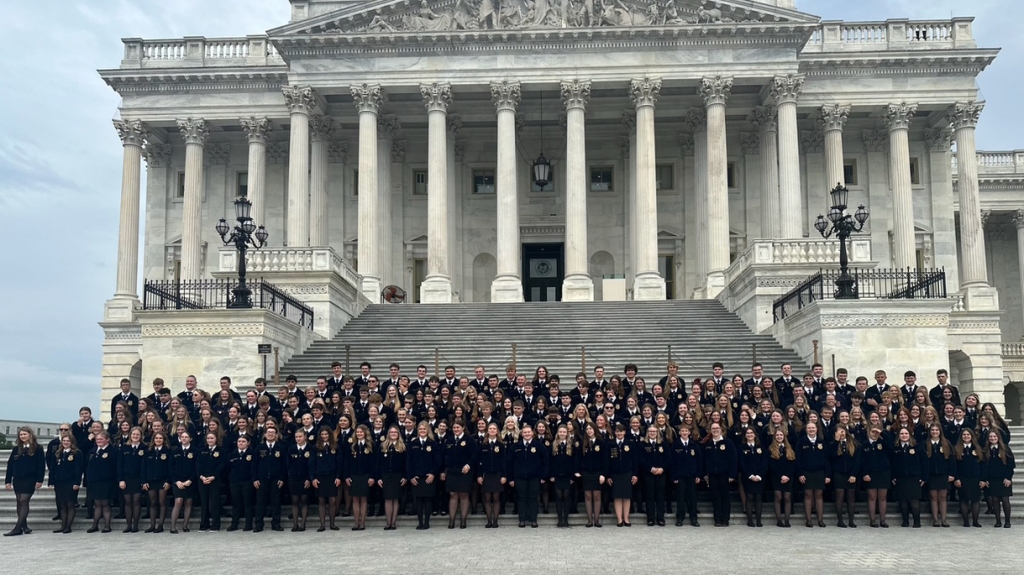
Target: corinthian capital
300,99
938,139
965,114
629,121
1018,219
321,128
765,118
833,117
715,90
786,88
697,120
897,116
368,97
506,95
576,94
256,128
194,130
436,97
388,126
131,132
156,155
453,124
645,91
686,144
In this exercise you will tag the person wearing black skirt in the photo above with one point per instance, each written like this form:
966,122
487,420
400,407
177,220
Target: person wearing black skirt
720,466
594,469
876,467
360,468
26,468
844,459
783,470
939,469
460,458
622,469
563,469
325,475
392,455
492,472
967,471
423,463
183,480
299,455
908,471
529,471
654,463
815,473
997,472
101,477
209,468
67,465
156,478
130,461
753,471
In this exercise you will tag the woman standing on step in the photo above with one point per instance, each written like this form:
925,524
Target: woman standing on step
622,468
491,473
459,461
156,477
876,473
360,473
654,462
783,471
844,459
131,457
998,465
392,474
564,468
967,470
324,472
210,465
815,472
66,468
909,476
594,468
753,471
101,477
183,480
939,469
26,468
299,455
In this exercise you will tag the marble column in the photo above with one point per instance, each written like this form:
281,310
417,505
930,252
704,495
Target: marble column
578,285
766,120
832,119
368,99
456,151
195,132
301,102
321,130
938,142
715,92
629,178
256,186
133,134
647,283
697,120
784,91
389,151
973,262
1018,221
507,285
437,287
896,118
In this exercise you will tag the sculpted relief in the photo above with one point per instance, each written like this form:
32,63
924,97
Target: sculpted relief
517,14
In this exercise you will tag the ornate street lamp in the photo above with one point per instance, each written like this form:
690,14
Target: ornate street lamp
244,235
843,224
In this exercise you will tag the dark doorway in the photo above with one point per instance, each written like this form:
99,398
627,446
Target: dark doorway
543,271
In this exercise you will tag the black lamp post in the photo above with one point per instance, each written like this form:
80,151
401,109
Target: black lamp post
245,234
843,224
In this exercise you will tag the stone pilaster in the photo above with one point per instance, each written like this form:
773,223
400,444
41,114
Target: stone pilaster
507,285
195,132
321,131
897,120
133,134
578,285
647,283
766,120
256,187
437,287
715,92
368,100
301,102
785,91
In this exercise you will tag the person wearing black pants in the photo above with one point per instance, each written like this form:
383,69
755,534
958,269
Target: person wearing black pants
654,462
53,450
299,454
564,468
243,494
529,470
209,467
686,466
422,466
753,471
26,468
720,462
908,473
269,465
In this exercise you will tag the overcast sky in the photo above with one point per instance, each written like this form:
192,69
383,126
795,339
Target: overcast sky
60,162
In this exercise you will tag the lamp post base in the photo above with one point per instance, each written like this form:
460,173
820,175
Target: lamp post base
242,299
846,287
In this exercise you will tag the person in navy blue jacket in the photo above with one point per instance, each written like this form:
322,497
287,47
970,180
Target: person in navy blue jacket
967,471
210,464
492,474
422,468
67,465
460,458
299,455
239,473
130,461
720,466
997,473
101,478
687,468
654,466
529,470
876,473
753,472
844,459
26,467
622,473
594,469
269,470
782,468
360,467
940,468
391,460
156,478
325,475
183,480
909,476
815,472
564,468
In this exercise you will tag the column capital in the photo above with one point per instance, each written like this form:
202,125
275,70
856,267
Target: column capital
506,95
453,124
388,126
645,91
575,94
939,139
520,123
156,155
131,132
256,128
897,116
277,152
1018,219
985,215
321,128
715,90
765,118
460,151
194,130
368,97
812,141
750,142
629,122
832,117
874,140
436,97
218,154
686,144
786,89
398,151
337,152
965,114
301,99
624,147
697,120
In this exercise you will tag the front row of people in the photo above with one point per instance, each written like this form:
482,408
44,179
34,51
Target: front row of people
323,468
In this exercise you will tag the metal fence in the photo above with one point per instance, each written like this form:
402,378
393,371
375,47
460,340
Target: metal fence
907,283
217,294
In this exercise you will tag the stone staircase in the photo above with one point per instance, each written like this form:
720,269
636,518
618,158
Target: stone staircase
550,334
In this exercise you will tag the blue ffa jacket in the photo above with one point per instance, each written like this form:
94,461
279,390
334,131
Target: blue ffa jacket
459,453
969,465
183,465
360,461
622,458
423,458
811,456
687,460
66,468
842,461
562,464
654,455
102,465
994,470
210,462
239,465
908,461
156,467
21,465
753,460
270,463
529,460
130,462
940,462
392,461
493,458
325,462
877,456
594,459
298,461
720,458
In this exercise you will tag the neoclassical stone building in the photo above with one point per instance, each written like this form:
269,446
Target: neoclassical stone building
689,147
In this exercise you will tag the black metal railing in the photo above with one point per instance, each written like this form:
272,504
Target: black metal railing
907,283
217,294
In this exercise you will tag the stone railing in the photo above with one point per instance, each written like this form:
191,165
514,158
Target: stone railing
1015,349
892,35
998,162
197,51
797,252
278,260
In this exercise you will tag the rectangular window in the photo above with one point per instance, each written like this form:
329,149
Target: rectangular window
915,171
601,179
419,273
355,182
731,175
850,172
242,185
483,181
419,182
664,175
549,187
180,191
666,265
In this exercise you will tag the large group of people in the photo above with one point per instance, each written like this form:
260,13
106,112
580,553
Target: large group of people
363,445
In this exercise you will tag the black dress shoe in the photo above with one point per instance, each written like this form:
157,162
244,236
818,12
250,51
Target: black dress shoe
60,530
255,530
230,528
105,530
521,525
661,523
679,522
694,523
650,524
92,529
13,533
321,529
533,525
276,528
127,530
627,523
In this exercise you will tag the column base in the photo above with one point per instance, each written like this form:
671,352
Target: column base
980,297
715,284
371,289
578,288
648,286
437,289
507,289
120,309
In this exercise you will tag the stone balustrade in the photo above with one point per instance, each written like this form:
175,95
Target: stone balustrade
271,260
998,162
1014,349
197,51
797,252
897,34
